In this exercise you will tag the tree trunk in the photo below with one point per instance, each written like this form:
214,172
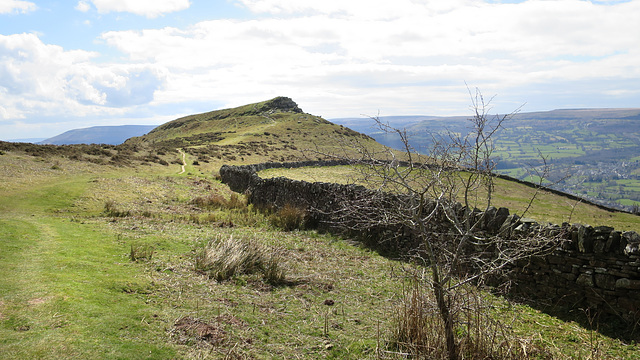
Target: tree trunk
445,314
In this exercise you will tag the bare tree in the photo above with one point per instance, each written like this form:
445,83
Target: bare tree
440,205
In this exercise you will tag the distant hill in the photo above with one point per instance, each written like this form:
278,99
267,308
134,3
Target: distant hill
112,135
563,122
27,140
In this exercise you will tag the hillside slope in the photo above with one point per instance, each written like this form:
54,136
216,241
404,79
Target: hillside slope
273,130
100,245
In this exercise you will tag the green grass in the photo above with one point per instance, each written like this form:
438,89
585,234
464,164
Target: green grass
72,293
69,288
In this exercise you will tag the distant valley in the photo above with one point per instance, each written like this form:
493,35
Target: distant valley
593,153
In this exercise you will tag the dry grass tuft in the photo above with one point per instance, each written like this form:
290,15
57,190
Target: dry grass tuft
217,201
111,209
289,218
141,252
419,330
225,258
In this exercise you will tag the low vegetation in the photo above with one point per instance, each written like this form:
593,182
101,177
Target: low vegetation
288,218
223,259
70,288
483,334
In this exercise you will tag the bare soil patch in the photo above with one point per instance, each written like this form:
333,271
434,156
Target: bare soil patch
37,301
189,329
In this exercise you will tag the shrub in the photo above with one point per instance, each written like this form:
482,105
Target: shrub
289,217
223,259
111,209
419,331
217,201
120,160
141,252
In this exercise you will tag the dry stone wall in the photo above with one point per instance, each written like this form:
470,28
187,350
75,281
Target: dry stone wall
594,267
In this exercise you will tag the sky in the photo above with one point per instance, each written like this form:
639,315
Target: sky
68,64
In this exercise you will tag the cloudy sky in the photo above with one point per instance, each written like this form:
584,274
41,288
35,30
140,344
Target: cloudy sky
69,64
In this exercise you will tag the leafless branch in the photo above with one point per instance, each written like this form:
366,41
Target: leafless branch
429,202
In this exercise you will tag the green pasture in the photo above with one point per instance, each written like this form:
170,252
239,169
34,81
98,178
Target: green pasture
98,262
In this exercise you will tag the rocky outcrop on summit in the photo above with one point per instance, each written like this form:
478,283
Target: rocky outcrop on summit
281,103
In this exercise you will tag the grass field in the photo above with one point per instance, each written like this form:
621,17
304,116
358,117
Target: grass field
98,262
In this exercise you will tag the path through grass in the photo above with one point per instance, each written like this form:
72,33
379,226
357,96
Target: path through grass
67,288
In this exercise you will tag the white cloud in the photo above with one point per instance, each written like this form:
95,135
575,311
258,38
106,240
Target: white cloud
16,6
36,78
340,48
148,8
83,6
363,9
337,58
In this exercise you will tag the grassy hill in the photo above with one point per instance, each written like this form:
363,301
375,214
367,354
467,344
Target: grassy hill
273,130
101,248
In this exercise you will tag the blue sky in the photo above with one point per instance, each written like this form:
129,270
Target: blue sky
72,64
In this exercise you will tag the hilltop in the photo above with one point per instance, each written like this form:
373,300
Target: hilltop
272,130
